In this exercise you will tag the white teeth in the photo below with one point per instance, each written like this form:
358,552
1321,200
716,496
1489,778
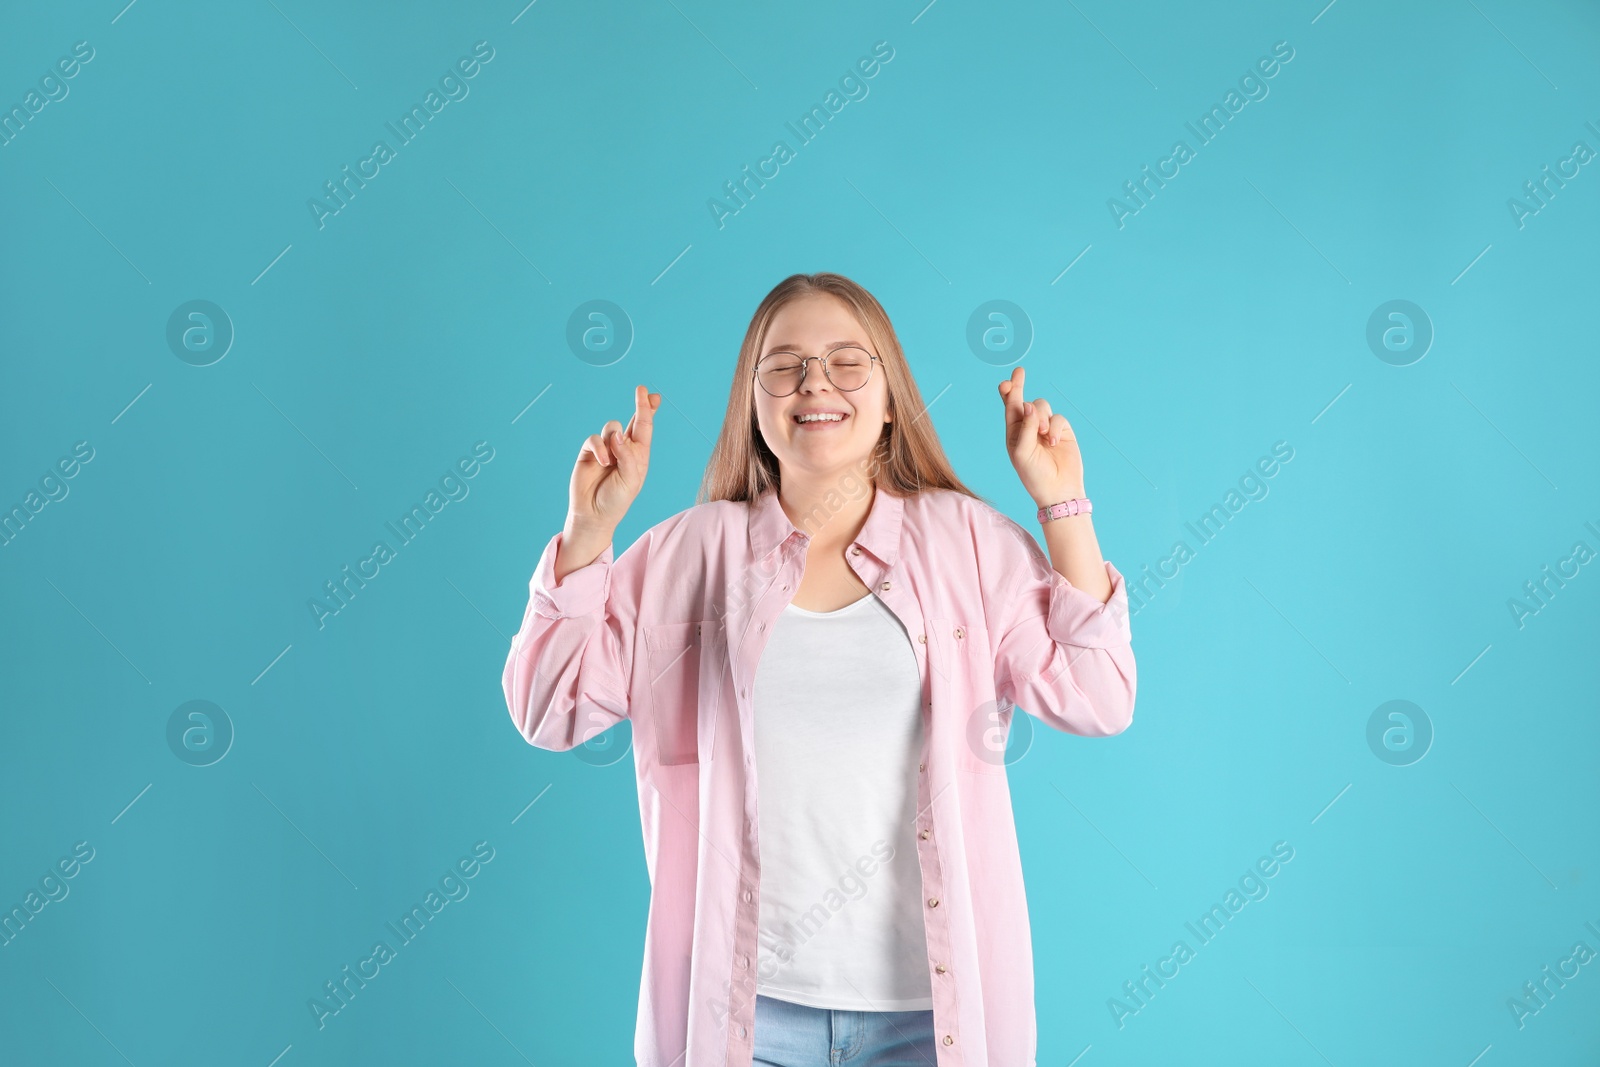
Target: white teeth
821,418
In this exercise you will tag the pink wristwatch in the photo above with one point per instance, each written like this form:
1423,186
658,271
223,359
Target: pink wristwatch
1080,506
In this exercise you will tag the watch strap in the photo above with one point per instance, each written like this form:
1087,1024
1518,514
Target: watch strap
1079,506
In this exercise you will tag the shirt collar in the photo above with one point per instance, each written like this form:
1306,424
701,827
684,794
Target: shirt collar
880,534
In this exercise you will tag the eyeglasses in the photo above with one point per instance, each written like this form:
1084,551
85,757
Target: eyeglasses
847,369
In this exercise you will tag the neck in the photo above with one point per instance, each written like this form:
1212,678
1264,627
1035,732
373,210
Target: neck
821,506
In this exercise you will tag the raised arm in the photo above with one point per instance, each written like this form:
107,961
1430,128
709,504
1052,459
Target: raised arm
568,673
1064,648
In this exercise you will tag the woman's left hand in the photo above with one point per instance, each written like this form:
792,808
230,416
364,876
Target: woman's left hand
1042,446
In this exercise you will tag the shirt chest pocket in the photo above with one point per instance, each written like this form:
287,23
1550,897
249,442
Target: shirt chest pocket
962,661
681,659
963,645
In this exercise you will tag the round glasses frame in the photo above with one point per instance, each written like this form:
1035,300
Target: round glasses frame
805,365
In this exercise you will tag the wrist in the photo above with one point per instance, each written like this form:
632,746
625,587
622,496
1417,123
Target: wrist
1069,493
1066,509
579,532
579,548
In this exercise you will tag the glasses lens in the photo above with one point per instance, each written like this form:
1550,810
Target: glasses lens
779,374
849,368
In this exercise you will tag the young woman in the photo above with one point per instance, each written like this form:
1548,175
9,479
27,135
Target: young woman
820,661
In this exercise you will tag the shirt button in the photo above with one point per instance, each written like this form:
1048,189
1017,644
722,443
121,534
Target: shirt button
748,896
763,626
923,638
884,587
923,835
742,1034
947,1038
855,550
960,633
933,902
940,968
744,961
922,766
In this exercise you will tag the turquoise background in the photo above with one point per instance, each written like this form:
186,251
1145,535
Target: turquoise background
1230,313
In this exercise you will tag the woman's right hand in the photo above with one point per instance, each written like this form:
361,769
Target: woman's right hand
611,469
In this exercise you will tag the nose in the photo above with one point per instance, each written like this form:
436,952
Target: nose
821,380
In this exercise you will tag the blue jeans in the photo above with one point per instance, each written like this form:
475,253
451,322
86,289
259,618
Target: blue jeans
795,1035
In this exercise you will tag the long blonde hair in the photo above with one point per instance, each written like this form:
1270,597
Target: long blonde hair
908,457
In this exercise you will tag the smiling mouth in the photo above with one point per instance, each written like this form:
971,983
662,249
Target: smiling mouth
827,419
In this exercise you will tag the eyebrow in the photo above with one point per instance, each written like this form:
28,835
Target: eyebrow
831,346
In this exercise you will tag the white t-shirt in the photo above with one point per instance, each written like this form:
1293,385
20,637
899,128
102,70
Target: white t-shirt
838,730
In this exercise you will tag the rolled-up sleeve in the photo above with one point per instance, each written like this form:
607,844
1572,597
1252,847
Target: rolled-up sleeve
582,593
568,673
1060,653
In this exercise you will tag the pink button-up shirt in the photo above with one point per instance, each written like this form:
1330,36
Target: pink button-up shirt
669,635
